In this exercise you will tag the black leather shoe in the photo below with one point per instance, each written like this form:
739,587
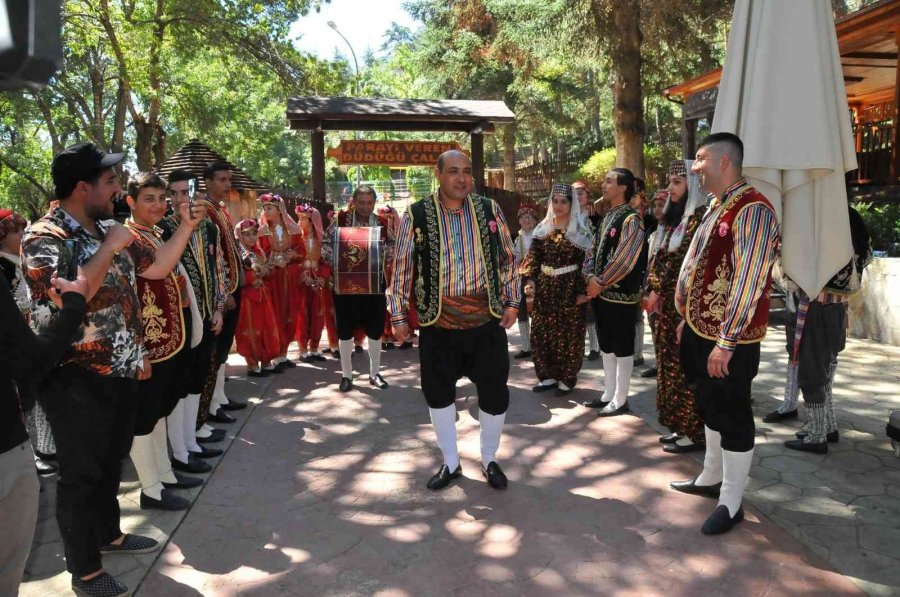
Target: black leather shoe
648,373
775,416
336,354
346,384
288,364
194,465
596,403
221,417
832,437
669,439
559,392
593,355
443,477
206,452
182,482
45,468
357,348
387,346
212,439
720,521
283,366
260,373
234,405
167,501
544,388
522,354
378,382
406,345
690,486
624,409
802,446
319,358
494,476
679,449
638,362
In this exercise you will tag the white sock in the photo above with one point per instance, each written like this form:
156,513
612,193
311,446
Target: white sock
278,360
203,432
374,357
176,432
145,464
684,440
161,453
444,422
548,382
491,430
609,376
192,406
736,468
219,392
346,348
564,387
525,333
214,406
624,367
712,461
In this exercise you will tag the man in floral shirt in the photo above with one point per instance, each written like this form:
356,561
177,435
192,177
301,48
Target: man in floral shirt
89,398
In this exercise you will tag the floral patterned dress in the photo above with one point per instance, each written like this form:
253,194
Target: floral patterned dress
557,324
675,403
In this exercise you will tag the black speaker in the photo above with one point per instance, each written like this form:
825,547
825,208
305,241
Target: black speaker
30,42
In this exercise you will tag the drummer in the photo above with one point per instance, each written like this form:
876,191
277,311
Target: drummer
354,311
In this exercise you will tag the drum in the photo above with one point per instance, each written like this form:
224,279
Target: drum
358,260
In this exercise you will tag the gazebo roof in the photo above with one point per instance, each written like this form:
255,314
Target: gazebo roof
194,157
382,114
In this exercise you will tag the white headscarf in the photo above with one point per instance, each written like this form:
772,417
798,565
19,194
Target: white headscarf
695,198
578,231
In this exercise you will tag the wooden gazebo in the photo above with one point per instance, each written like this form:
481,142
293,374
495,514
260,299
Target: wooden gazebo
869,42
195,156
320,114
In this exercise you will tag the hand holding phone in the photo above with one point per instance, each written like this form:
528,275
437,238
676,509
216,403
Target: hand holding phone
192,191
67,263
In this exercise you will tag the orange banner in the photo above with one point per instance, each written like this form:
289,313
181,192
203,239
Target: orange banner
391,153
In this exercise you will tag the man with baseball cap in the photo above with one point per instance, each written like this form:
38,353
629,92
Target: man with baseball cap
89,397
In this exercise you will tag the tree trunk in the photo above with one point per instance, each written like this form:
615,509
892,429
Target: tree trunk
509,157
143,145
118,136
627,92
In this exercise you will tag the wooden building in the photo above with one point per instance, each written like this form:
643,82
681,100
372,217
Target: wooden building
869,42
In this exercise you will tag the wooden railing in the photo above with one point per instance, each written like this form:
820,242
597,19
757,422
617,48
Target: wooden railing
873,153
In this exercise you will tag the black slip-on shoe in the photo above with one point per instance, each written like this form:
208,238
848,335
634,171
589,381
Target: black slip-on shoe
775,416
183,482
804,446
132,544
102,585
166,501
443,477
690,486
346,384
494,475
721,521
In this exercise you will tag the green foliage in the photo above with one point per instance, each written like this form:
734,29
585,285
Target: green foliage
883,223
595,169
656,159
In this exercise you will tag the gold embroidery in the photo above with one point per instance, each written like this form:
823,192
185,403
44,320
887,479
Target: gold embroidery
154,322
715,298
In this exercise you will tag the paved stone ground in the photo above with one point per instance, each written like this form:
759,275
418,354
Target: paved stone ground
322,494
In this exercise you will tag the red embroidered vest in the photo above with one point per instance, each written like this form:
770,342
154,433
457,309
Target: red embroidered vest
706,300
164,330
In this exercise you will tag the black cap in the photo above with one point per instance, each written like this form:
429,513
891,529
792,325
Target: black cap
80,162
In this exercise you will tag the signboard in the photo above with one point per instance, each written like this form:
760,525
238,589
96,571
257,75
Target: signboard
390,153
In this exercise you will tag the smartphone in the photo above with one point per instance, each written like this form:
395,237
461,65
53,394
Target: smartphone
192,191
67,264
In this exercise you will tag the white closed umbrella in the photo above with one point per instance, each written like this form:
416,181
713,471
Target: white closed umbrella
782,92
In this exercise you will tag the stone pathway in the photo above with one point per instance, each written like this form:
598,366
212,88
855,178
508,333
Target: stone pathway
323,494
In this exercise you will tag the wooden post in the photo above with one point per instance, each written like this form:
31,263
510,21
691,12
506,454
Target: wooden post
318,165
895,140
478,161
688,138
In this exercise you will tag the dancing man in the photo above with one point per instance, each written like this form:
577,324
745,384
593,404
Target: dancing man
723,294
456,248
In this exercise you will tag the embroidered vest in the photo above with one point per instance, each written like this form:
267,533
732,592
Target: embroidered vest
161,307
222,219
429,255
710,281
199,261
628,289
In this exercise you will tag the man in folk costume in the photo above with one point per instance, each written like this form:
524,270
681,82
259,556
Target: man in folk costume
203,264
723,294
816,335
580,189
359,310
217,176
676,405
527,216
614,270
282,244
169,333
456,251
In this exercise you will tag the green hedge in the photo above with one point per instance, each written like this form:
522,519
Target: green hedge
883,223
656,165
